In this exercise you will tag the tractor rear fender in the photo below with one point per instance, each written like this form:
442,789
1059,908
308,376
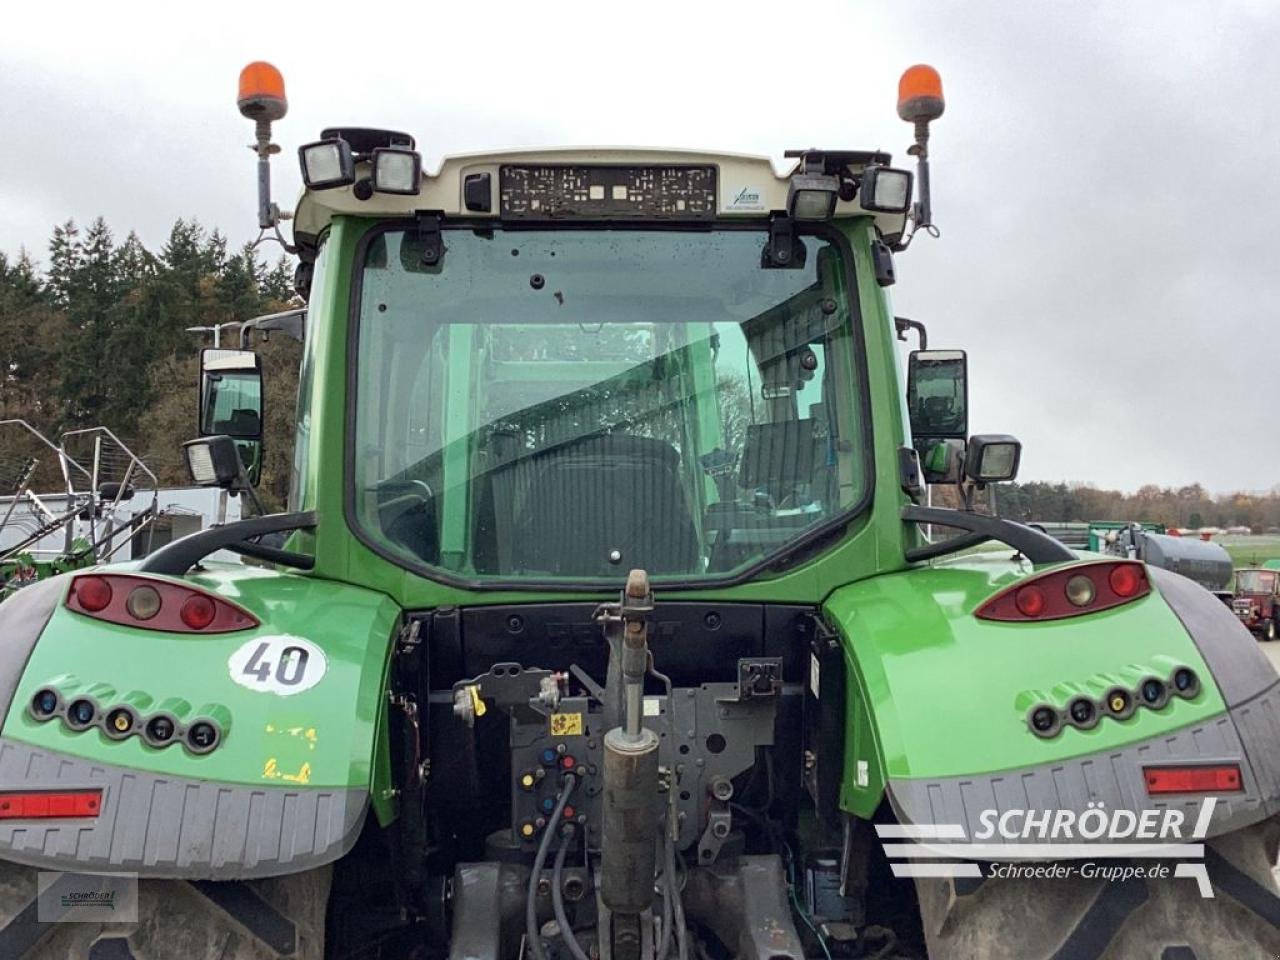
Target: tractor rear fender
939,701
297,701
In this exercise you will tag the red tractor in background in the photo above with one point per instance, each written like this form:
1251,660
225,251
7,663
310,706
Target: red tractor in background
1257,601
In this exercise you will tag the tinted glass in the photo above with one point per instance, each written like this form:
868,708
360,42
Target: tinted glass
571,404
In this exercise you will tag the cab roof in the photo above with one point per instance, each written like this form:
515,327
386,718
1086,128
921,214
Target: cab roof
747,186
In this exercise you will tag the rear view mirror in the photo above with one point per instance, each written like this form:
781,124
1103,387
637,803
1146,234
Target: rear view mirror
938,394
230,394
942,461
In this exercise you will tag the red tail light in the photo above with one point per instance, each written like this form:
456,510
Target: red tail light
1125,580
94,593
198,611
1224,778
132,602
46,805
1069,592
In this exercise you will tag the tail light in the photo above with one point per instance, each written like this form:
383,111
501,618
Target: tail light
155,605
1069,592
49,804
1221,778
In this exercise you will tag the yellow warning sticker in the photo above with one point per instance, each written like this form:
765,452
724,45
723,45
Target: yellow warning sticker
566,724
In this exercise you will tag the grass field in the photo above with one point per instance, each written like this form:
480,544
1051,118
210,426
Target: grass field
1250,551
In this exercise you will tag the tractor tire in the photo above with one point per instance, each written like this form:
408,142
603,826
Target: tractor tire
1096,919
280,918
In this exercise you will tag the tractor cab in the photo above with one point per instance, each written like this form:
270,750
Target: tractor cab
560,365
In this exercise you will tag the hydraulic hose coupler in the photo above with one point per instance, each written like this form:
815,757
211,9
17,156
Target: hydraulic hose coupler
629,821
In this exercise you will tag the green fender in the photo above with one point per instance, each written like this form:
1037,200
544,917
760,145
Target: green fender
308,753
935,693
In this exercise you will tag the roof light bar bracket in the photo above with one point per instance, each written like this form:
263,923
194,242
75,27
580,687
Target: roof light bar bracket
882,259
837,161
784,250
428,232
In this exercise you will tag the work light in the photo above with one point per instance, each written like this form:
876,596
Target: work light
212,461
992,458
396,170
885,190
327,164
813,196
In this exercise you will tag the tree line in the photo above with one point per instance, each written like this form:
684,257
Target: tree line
1189,506
96,335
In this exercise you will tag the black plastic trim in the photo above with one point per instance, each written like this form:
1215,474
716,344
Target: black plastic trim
779,560
1035,546
176,558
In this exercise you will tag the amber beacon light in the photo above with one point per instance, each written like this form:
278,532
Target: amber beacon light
920,94
920,102
261,99
261,93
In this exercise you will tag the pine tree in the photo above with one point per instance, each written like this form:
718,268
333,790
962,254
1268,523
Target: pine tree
277,284
65,256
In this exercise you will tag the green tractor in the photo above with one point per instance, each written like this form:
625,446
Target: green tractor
606,619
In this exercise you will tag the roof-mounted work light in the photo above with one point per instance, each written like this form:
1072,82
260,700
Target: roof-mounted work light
397,170
920,102
327,164
261,98
885,190
812,196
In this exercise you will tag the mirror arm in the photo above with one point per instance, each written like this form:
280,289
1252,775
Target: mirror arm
932,551
243,486
285,558
176,558
1035,546
903,324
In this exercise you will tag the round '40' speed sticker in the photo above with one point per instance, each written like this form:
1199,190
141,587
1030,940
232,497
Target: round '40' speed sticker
282,665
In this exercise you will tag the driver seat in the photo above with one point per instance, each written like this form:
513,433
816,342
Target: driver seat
595,495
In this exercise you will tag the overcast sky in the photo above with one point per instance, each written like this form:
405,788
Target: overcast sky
1105,176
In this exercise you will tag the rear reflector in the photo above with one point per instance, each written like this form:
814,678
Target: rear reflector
1219,779
48,805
